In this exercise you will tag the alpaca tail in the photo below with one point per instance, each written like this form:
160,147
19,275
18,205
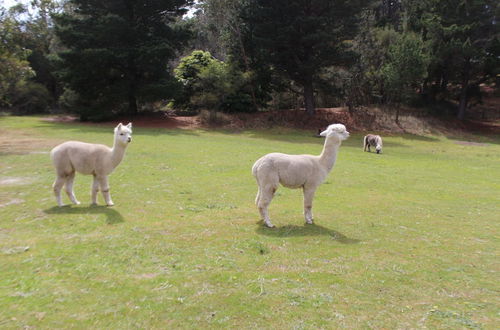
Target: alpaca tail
255,169
364,142
257,198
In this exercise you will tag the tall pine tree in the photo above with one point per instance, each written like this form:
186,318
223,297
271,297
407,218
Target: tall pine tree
118,51
298,38
464,37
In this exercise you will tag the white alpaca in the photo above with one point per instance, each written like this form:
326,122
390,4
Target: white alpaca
297,171
87,158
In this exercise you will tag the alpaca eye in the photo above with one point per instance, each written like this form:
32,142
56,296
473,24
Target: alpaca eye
121,133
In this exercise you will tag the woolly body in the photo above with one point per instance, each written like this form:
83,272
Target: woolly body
90,159
373,141
296,171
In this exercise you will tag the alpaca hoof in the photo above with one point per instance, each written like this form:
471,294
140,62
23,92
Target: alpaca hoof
76,203
269,225
310,222
93,204
110,204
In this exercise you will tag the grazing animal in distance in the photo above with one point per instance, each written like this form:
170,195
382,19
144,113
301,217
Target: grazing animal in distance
91,159
373,141
296,171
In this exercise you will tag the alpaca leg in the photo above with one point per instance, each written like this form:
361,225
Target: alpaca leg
103,183
266,196
95,190
69,188
57,186
308,200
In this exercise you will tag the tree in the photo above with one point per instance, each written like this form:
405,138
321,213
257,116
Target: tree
464,37
300,37
211,84
118,51
14,66
187,73
405,68
40,39
219,29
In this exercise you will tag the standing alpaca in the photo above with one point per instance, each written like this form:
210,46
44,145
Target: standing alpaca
374,141
86,158
296,171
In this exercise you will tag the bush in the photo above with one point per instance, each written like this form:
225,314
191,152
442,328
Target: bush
68,100
212,84
30,97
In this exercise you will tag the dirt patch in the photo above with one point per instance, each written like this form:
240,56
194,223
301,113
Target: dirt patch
15,250
12,202
21,145
18,142
148,120
361,120
468,143
13,181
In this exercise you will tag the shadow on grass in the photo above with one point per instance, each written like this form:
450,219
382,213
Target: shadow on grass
107,127
305,230
422,138
112,216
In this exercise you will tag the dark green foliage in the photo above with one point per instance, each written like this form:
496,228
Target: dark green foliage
115,56
454,45
39,38
211,84
30,98
405,68
462,36
221,30
187,73
300,37
68,100
14,66
118,52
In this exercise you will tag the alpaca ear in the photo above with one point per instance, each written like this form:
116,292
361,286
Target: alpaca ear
119,125
129,125
324,133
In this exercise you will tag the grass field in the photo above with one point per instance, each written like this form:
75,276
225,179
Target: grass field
406,239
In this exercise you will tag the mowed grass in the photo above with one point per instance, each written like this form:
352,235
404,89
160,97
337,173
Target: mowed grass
406,239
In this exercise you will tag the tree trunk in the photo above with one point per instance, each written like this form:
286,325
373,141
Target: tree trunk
309,97
132,104
462,106
247,66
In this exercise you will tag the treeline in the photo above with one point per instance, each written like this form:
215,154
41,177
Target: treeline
102,58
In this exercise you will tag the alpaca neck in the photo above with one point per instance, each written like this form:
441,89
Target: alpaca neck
117,153
329,153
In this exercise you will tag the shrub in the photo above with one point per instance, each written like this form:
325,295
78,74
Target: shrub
68,100
212,84
30,97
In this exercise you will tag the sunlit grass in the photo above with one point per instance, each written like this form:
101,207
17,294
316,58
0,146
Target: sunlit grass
406,239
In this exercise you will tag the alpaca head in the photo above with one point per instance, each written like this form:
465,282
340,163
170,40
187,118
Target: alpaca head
378,148
123,134
336,130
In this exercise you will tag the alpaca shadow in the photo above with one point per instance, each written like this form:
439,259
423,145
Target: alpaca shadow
112,216
305,230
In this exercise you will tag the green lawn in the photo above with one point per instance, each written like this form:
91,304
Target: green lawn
406,239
